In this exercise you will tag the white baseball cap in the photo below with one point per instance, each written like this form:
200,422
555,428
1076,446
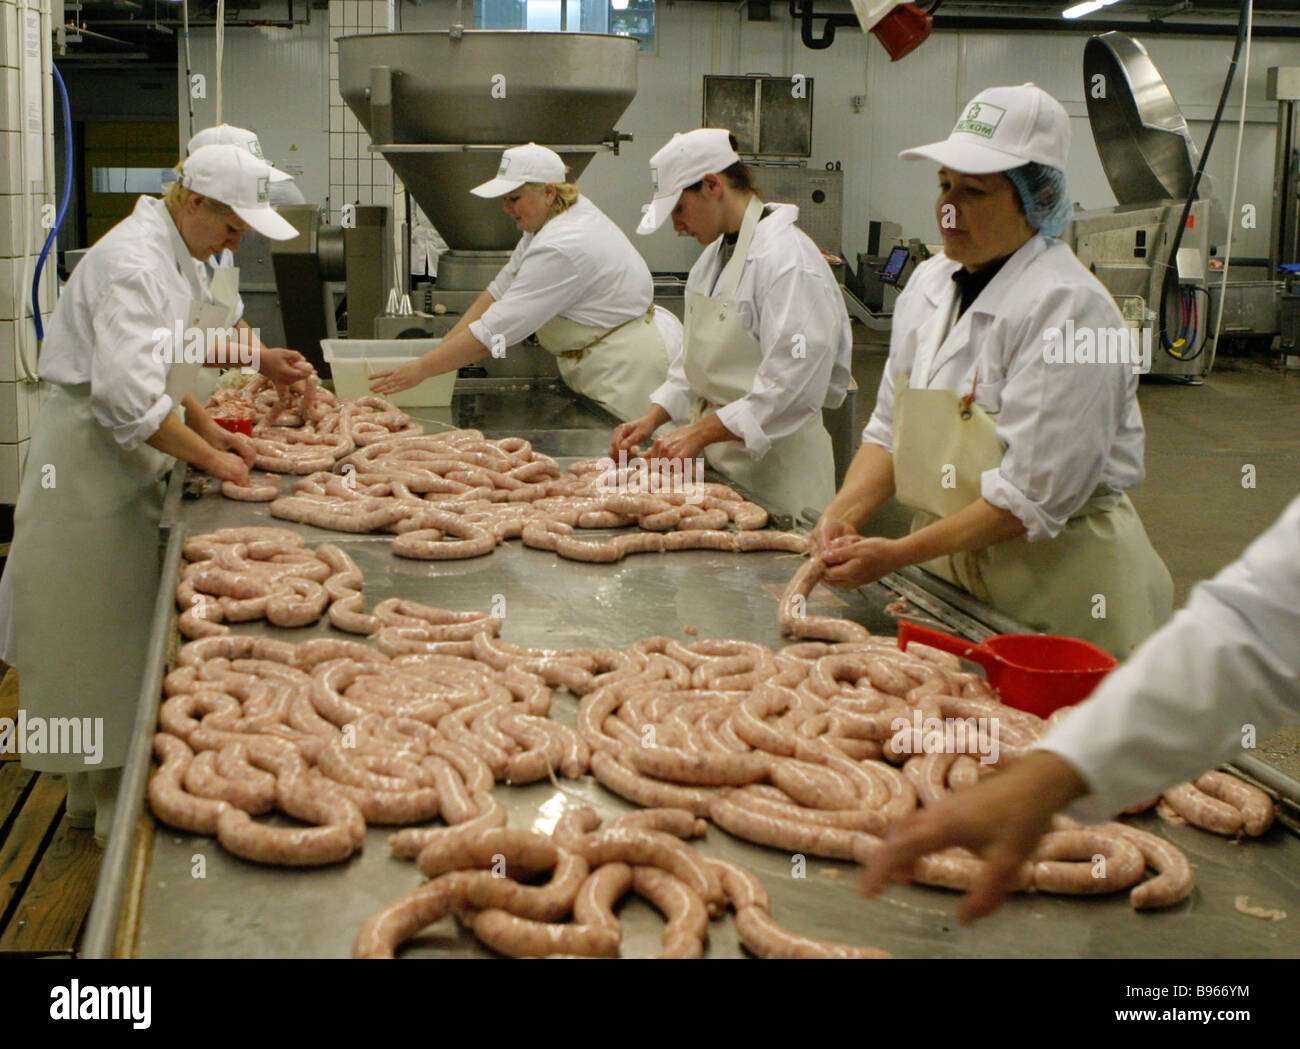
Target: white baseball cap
229,135
685,160
1002,128
520,164
233,176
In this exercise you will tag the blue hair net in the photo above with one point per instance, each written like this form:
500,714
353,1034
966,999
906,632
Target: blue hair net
1043,196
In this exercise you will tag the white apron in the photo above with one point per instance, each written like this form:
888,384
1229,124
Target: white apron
79,586
619,368
720,359
1054,585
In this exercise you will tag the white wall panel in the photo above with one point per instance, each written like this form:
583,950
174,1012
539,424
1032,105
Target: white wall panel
274,83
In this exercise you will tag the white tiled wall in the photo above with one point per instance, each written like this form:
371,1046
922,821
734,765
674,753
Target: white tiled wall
357,176
19,400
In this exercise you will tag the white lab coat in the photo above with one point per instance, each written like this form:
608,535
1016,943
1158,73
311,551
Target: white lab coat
83,574
1071,431
789,302
106,327
579,266
1228,661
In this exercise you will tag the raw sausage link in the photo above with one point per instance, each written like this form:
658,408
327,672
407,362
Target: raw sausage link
1255,806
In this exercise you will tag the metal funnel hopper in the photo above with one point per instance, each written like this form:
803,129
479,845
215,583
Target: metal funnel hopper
444,104
1145,146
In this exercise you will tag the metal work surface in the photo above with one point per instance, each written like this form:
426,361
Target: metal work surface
239,909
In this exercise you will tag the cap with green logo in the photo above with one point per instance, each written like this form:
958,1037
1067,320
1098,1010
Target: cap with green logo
528,163
1003,128
229,135
232,175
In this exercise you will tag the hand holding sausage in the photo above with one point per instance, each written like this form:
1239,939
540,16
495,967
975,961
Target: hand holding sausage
235,443
283,366
685,442
857,562
227,466
1001,819
628,436
827,530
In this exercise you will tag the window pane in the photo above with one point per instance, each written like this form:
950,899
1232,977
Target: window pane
634,18
129,180
622,17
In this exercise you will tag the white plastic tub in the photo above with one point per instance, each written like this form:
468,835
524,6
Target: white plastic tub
354,361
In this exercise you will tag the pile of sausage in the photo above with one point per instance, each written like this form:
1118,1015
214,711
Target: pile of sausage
303,428
338,735
813,750
816,748
479,876
236,575
458,494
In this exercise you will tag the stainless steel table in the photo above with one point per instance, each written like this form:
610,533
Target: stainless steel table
152,903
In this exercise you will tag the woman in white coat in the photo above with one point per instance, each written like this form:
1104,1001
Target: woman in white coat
575,281
1231,658
84,564
1014,462
767,342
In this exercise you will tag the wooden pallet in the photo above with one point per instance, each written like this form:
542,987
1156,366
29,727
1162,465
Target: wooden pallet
9,702
47,868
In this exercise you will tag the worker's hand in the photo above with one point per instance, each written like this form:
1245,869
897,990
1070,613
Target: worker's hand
1001,819
284,367
853,561
627,437
403,377
227,466
224,440
829,528
685,442
235,443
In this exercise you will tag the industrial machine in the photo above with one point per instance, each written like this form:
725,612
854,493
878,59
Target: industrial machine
1150,160
882,272
311,268
441,106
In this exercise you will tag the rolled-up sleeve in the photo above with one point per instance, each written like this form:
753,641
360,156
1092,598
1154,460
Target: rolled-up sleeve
1058,421
500,284
548,282
133,333
1222,674
803,330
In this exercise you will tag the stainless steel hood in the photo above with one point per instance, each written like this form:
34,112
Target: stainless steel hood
458,98
1145,147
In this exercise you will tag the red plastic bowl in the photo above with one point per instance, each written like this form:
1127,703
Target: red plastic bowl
244,426
1039,673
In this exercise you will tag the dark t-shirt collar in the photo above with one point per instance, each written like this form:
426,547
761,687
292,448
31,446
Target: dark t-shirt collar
969,285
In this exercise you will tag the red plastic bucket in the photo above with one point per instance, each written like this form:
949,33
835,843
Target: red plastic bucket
1039,673
903,30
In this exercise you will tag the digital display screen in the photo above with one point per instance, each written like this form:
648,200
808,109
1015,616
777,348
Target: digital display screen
894,265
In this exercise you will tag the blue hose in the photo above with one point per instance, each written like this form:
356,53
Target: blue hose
63,204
